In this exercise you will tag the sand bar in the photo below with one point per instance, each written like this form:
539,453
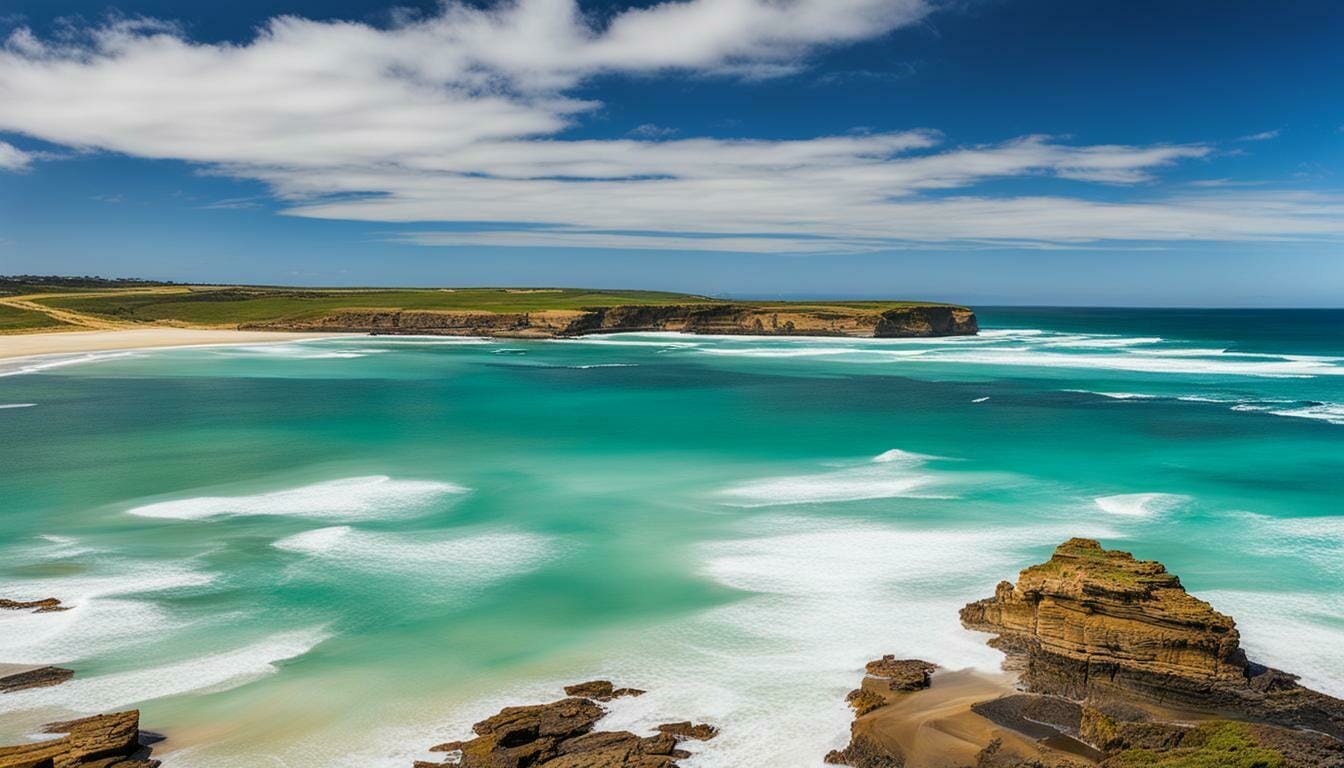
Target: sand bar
31,344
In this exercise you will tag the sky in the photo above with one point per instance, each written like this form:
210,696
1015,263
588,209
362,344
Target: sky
1163,153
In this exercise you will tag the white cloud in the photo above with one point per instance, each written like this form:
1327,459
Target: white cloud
12,158
1261,136
453,118
652,131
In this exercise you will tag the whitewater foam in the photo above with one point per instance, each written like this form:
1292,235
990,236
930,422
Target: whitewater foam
5,406
205,674
1311,620
1144,505
821,597
47,362
469,559
102,616
1332,413
352,498
891,474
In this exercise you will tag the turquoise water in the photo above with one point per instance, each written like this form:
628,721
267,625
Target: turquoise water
339,552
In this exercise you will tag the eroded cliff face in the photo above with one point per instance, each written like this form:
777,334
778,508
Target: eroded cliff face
743,319
1096,625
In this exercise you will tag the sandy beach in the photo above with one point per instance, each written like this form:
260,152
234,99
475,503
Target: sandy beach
31,344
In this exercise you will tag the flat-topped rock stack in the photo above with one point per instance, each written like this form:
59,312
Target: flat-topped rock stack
1098,625
1119,667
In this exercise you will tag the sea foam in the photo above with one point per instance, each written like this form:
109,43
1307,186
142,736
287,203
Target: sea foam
820,597
353,498
204,674
891,474
1144,505
1266,621
471,559
106,613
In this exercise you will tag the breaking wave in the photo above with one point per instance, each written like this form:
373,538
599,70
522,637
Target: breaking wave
353,498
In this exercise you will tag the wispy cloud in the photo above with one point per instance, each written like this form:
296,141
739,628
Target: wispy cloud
454,118
233,204
651,131
1261,136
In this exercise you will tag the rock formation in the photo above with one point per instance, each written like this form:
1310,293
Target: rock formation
101,741
600,690
1122,668
560,735
45,605
902,674
1097,625
41,677
716,318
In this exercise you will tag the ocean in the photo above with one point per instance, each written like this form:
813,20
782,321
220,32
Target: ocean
341,552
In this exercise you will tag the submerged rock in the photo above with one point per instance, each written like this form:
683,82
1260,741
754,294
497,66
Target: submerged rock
560,735
42,677
101,741
686,730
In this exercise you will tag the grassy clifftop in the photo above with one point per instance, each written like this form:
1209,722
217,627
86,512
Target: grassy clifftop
487,311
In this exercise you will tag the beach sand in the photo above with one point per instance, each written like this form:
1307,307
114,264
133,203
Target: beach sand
935,728
30,344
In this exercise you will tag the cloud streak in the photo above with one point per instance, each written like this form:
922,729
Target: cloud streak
455,118
13,159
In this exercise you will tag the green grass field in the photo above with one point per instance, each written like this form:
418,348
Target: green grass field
13,319
232,305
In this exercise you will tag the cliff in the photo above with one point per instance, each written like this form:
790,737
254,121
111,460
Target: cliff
1122,668
1099,626
745,319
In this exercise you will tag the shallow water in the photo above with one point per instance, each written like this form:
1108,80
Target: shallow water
340,552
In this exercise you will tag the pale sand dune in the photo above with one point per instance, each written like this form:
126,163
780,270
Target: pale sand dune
28,344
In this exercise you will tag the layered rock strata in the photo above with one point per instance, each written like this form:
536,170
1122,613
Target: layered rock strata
1097,625
916,320
101,741
1121,667
560,735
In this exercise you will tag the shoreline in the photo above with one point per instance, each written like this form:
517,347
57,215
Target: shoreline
22,346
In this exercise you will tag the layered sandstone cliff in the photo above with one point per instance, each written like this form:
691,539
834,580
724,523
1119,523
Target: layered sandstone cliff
1119,667
1097,625
916,320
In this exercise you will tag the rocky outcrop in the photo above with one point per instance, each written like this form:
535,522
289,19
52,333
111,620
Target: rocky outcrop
45,605
560,735
41,677
102,741
709,318
901,674
1097,625
600,690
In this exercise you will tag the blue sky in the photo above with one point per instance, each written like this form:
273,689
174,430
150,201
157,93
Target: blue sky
986,151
